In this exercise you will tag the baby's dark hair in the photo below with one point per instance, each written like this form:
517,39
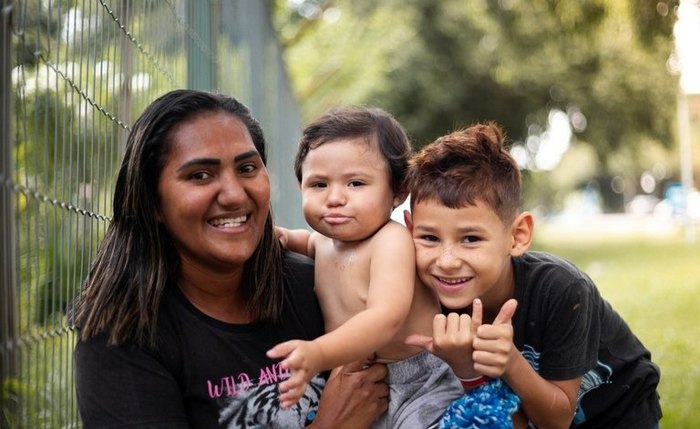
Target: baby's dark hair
375,124
467,166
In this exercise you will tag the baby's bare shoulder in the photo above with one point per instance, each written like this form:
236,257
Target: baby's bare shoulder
393,229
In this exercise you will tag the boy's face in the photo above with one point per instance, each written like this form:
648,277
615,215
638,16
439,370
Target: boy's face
345,189
463,253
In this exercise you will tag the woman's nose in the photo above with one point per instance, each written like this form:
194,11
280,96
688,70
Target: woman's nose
232,191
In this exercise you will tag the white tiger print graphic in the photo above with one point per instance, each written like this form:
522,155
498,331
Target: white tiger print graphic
259,407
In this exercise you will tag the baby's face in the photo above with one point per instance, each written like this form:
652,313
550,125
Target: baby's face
346,192
462,253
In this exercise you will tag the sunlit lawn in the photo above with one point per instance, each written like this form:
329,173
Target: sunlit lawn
653,281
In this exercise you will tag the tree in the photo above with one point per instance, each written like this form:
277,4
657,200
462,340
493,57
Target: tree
437,65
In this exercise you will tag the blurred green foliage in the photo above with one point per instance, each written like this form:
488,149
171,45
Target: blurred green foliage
437,65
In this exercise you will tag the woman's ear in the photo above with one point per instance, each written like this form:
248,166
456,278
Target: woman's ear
521,230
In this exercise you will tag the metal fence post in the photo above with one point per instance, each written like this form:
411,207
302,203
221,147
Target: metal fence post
200,70
8,278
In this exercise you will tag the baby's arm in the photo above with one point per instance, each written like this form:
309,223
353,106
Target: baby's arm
546,403
296,240
390,293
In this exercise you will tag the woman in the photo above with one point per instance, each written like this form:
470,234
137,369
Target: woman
190,288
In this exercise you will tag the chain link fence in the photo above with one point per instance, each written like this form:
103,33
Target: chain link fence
74,75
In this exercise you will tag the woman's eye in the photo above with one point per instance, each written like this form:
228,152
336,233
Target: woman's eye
248,168
200,176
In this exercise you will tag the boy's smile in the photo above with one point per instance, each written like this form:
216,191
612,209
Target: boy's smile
463,253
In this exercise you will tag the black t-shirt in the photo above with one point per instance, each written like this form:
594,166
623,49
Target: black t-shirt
204,373
565,329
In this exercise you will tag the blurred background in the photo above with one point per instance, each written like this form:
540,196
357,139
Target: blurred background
600,100
589,92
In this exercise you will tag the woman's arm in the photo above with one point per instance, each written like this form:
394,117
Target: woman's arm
125,387
353,398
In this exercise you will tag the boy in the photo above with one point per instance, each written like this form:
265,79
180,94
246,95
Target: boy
565,352
351,165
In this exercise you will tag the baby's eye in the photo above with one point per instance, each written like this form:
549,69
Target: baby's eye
356,184
471,239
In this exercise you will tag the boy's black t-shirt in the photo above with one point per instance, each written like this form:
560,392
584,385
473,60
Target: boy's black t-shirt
204,373
565,329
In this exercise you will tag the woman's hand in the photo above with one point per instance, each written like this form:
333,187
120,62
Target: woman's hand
353,397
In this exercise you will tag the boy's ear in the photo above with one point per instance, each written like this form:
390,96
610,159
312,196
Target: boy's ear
399,198
521,230
408,220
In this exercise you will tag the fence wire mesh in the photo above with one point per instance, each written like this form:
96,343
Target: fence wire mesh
75,74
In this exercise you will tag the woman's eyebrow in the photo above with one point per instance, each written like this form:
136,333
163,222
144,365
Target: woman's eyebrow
216,161
245,155
199,161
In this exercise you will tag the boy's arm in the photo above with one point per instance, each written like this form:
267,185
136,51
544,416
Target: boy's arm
546,403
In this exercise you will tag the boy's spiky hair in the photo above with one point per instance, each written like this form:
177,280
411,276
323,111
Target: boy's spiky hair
467,166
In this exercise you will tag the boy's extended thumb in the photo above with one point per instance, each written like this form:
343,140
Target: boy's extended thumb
506,314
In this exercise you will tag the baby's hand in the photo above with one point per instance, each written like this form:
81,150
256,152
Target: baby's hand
303,360
282,235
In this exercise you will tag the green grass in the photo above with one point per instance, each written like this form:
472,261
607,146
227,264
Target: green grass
654,283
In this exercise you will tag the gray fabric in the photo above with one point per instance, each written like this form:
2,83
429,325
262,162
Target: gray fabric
421,388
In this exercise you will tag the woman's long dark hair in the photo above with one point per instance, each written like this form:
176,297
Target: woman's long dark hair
136,260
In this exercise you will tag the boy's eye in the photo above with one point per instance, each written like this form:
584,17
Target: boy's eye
318,185
471,239
431,238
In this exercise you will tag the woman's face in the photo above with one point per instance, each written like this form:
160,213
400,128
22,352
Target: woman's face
214,192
